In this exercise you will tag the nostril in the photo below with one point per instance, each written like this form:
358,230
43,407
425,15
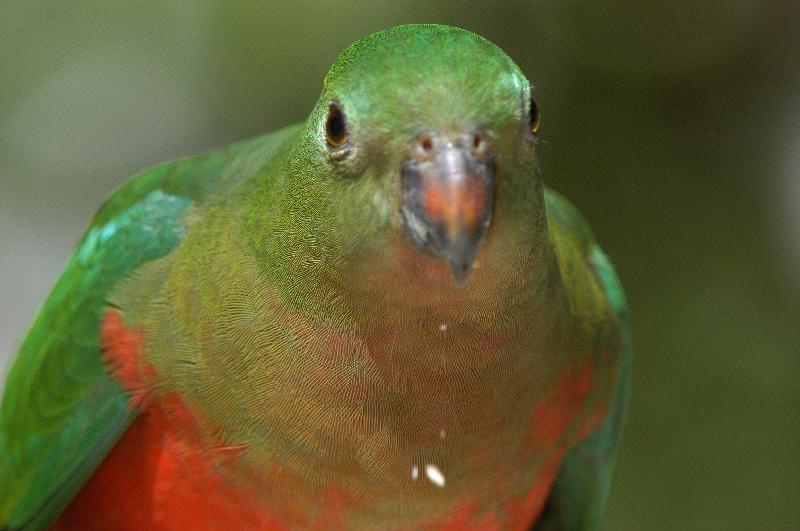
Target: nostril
479,143
422,147
427,143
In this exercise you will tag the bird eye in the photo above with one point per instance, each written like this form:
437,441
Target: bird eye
335,126
534,116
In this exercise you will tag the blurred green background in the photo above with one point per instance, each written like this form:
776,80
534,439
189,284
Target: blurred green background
673,125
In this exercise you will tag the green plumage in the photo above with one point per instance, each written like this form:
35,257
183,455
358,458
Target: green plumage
61,413
255,269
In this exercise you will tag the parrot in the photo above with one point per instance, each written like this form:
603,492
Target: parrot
377,318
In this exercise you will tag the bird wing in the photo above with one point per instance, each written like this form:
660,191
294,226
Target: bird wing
61,412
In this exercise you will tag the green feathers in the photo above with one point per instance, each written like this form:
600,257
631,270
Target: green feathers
61,413
385,288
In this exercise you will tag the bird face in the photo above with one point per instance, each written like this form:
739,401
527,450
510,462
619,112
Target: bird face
433,127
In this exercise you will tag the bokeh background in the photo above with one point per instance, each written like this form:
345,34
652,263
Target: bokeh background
674,125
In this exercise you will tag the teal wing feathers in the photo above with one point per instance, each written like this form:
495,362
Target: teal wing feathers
61,413
577,501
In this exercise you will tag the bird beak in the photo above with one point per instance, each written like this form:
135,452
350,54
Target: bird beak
448,192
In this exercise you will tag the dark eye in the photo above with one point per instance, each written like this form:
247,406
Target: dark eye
535,117
335,126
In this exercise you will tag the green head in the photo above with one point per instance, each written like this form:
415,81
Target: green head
417,166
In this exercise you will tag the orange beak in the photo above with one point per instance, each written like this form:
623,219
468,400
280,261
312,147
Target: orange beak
448,189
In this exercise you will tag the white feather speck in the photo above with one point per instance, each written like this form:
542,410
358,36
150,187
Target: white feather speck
435,475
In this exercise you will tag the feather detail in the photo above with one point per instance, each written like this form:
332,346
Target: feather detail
120,347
